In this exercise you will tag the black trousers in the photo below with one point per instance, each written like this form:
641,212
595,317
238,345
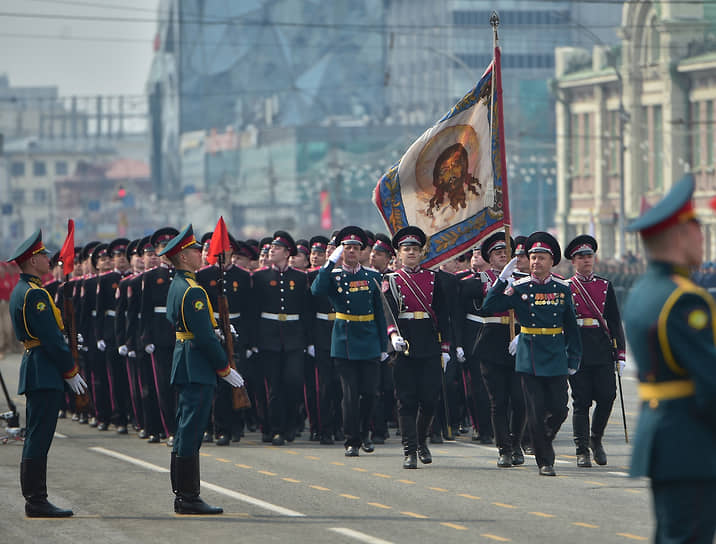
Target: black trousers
118,381
507,405
480,405
285,379
386,401
166,396
329,393
546,402
359,381
418,382
151,420
227,420
135,391
41,409
100,384
592,383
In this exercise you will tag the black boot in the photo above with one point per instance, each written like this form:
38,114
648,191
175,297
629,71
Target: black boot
423,425
580,426
173,473
408,436
33,481
600,456
187,480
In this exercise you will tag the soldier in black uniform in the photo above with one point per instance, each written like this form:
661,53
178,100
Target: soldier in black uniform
156,334
281,309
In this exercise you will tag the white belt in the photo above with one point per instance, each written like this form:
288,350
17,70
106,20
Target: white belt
280,317
326,317
502,320
588,322
160,309
94,313
110,313
231,316
413,315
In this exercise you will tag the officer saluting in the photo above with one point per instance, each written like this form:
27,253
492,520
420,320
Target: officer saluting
198,359
45,364
671,326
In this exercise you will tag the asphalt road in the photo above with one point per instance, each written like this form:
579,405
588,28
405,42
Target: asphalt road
118,487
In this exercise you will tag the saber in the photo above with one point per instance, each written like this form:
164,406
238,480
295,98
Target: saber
390,318
621,399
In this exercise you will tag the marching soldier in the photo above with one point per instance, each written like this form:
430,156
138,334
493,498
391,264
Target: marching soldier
281,310
358,339
603,348
155,334
671,326
198,359
418,299
549,345
301,260
46,366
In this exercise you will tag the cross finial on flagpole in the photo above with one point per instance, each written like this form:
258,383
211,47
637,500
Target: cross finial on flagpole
494,20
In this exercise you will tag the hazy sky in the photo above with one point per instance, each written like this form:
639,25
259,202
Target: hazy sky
104,54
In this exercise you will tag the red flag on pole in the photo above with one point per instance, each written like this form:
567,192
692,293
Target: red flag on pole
219,242
326,220
67,253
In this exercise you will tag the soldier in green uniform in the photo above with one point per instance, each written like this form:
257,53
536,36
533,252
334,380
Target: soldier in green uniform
45,364
672,331
198,360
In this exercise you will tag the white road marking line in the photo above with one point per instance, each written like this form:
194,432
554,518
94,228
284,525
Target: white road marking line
619,473
60,435
362,537
207,485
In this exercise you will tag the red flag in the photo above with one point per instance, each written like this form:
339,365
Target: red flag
219,242
326,221
67,253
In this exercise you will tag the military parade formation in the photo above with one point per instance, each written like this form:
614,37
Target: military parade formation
348,337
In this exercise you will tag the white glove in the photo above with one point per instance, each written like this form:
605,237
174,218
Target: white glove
149,348
398,342
509,269
383,356
571,371
123,351
620,365
132,354
232,330
444,359
101,345
249,353
460,354
311,350
234,378
77,384
219,334
512,348
336,254
80,338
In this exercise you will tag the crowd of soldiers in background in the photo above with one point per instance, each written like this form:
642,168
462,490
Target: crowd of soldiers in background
129,384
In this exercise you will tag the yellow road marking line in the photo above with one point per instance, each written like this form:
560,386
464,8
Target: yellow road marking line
204,454
441,489
338,463
542,514
503,505
444,452
409,482
312,457
350,496
593,483
378,505
267,473
291,452
319,488
465,495
223,460
633,490
495,537
454,526
358,469
414,515
291,480
587,525
631,536
382,475
567,456
243,466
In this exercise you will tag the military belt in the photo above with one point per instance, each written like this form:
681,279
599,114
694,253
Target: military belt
413,315
280,317
231,316
501,319
674,389
588,322
160,309
350,317
110,313
185,336
29,344
326,317
541,330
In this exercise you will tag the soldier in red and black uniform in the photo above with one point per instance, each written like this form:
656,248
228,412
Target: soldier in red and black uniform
603,349
418,299
156,333
280,306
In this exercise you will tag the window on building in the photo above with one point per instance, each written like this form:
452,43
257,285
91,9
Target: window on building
575,142
710,133
17,169
695,134
587,141
39,169
40,196
17,196
61,168
658,137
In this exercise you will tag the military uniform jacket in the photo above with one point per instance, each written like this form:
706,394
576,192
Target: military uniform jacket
427,336
280,308
494,336
323,316
237,284
198,355
542,307
597,346
470,295
107,294
88,311
671,326
134,315
153,326
35,318
359,331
